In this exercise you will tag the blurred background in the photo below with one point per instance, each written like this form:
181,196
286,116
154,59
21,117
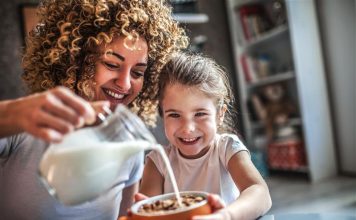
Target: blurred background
292,67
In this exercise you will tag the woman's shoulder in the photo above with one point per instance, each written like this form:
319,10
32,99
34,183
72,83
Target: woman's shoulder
16,142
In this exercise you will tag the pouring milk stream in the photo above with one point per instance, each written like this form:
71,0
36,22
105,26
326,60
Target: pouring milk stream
86,163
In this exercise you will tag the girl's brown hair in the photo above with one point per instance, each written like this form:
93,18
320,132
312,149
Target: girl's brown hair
203,73
61,50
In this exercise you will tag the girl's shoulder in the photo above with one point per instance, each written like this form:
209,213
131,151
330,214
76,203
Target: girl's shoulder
228,145
155,154
227,139
156,158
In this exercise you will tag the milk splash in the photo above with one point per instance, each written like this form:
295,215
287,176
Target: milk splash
160,150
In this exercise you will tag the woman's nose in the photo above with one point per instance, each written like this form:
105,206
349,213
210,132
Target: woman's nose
123,80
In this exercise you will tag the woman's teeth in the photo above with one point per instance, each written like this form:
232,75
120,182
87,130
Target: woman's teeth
114,95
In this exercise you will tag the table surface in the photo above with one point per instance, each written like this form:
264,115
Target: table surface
310,216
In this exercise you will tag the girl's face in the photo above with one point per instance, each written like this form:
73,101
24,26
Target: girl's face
119,71
189,119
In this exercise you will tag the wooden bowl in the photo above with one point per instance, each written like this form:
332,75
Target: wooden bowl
184,213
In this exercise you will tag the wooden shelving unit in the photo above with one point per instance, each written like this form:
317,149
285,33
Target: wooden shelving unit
294,58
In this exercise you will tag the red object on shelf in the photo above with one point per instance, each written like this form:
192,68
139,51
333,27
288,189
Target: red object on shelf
245,68
246,12
287,154
244,23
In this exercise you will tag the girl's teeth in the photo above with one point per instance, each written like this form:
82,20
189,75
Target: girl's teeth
189,139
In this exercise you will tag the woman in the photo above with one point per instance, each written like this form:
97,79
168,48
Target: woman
108,51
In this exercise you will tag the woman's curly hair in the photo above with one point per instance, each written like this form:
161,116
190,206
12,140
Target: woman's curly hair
62,48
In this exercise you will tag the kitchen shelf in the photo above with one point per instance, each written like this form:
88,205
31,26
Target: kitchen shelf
191,18
303,169
279,77
241,3
292,122
265,38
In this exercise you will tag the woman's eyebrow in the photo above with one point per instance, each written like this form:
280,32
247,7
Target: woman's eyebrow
123,58
141,64
116,55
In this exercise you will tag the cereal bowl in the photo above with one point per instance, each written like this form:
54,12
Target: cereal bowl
165,207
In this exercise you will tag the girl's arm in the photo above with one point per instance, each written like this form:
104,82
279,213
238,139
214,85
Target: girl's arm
254,199
152,180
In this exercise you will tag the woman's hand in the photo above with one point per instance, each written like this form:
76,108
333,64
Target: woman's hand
137,197
48,115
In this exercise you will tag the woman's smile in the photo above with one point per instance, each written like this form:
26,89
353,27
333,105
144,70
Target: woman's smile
113,96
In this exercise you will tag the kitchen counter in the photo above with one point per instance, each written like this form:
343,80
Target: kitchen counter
310,216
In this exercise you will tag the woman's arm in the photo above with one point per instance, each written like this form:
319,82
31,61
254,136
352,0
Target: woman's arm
47,115
127,198
152,180
254,199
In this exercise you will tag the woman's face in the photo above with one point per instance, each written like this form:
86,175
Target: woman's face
119,71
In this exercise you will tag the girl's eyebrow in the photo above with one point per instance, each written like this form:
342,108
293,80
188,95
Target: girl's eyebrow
201,109
196,109
170,110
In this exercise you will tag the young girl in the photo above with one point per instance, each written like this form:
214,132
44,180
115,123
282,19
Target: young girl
194,101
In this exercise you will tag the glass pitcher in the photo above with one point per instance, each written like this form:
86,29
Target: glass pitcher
87,161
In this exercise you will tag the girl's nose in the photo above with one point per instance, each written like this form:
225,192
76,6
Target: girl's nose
188,127
123,80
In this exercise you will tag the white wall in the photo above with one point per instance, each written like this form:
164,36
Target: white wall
337,22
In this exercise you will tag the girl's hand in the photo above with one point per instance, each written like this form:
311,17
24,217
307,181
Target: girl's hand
52,114
217,205
139,197
215,202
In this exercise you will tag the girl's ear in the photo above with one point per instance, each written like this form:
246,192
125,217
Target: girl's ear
221,114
